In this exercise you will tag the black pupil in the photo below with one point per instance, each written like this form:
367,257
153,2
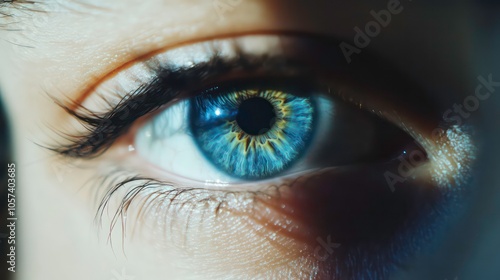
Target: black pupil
256,116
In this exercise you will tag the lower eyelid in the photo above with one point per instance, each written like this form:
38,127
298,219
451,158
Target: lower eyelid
292,214
286,216
164,119
195,213
280,216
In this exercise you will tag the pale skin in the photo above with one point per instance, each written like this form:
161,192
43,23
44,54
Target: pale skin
73,45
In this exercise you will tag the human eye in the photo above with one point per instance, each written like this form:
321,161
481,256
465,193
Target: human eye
284,141
256,127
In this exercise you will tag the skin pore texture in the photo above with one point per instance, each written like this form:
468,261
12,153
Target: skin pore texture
63,50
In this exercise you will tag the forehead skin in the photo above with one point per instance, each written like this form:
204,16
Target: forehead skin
82,40
66,46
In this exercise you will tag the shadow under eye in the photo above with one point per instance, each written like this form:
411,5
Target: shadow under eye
353,224
375,227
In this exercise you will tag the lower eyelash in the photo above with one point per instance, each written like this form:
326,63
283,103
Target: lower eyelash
162,200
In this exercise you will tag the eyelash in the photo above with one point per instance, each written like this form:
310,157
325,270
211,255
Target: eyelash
158,197
104,129
153,194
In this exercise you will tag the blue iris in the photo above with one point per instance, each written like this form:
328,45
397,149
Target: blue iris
252,134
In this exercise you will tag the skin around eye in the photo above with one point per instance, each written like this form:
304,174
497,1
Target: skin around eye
346,222
332,193
209,138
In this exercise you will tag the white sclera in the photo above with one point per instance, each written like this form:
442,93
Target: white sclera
166,142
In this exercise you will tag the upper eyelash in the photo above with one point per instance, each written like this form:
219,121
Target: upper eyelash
104,129
170,82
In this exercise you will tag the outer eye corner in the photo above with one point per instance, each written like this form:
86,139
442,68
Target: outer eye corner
234,133
256,129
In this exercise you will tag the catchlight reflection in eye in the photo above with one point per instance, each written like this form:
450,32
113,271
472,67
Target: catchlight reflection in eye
246,134
288,112
270,121
258,134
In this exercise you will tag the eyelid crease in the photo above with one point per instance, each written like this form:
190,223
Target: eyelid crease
138,57
354,82
155,198
103,129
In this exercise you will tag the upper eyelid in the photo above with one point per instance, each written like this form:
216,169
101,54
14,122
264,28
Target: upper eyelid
86,145
134,58
148,64
93,119
89,145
